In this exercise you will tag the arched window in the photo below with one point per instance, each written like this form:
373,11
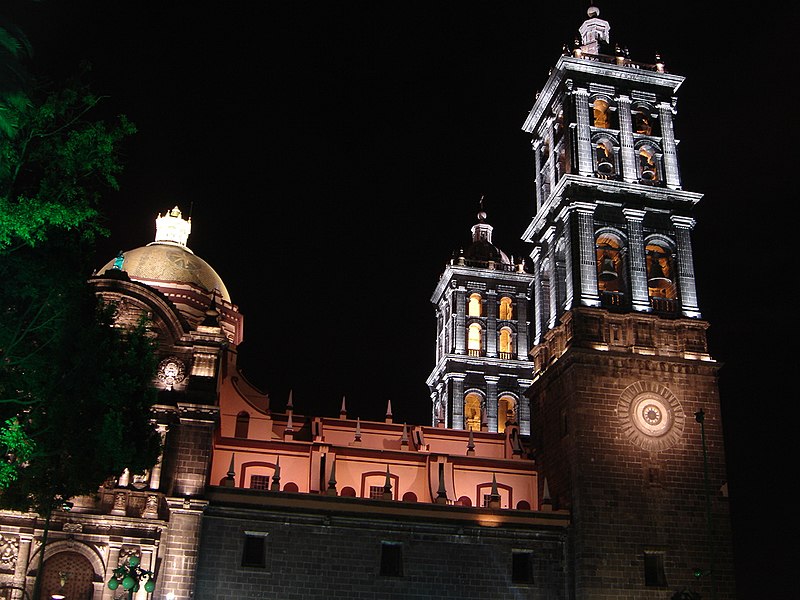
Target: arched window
474,306
608,248
474,340
506,309
601,114
242,425
661,275
648,163
604,157
506,411
644,121
506,343
472,412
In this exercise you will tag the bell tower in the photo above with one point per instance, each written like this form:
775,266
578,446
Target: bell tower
622,376
482,344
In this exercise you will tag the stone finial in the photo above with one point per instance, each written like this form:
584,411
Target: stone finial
230,480
441,493
288,432
404,438
388,411
343,409
331,491
547,502
290,404
357,436
387,486
276,476
494,496
471,444
593,31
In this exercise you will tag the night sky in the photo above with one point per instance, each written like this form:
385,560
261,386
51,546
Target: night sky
333,155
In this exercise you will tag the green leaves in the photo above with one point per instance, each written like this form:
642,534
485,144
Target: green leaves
16,447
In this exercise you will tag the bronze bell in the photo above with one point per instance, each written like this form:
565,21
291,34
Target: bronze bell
608,271
655,276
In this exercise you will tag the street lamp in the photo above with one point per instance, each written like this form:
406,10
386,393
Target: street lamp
129,575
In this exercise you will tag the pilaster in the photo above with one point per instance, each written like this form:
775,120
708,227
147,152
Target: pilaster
629,172
673,178
686,280
580,97
637,263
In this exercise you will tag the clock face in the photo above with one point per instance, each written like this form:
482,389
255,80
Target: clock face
650,416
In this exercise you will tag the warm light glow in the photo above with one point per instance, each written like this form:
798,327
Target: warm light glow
506,310
474,307
505,341
472,412
474,337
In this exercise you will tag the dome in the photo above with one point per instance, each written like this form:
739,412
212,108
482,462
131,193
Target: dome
481,249
168,259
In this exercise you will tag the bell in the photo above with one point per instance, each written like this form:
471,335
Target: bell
607,270
656,277
648,174
605,167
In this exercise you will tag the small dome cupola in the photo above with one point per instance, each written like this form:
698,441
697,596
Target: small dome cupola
594,32
481,251
171,227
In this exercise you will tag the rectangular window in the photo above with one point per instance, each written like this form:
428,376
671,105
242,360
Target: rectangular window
654,569
391,559
254,552
521,567
376,492
259,482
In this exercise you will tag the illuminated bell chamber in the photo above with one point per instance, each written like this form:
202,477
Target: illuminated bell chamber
605,166
655,276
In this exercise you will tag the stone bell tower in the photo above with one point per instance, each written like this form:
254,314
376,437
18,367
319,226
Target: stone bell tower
622,375
482,361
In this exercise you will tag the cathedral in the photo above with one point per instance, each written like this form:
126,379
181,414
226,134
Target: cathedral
574,449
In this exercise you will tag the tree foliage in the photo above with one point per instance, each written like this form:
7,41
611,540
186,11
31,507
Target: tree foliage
74,388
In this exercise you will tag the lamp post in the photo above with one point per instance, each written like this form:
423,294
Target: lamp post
129,575
699,416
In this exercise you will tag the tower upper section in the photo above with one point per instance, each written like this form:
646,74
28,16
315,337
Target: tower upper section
612,220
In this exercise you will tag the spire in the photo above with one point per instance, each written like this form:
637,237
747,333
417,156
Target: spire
471,445
594,30
230,479
171,227
290,404
494,496
441,493
343,410
482,230
404,438
357,437
388,411
547,503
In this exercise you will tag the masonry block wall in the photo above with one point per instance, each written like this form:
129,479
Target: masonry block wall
330,556
632,495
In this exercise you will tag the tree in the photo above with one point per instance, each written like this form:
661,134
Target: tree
74,388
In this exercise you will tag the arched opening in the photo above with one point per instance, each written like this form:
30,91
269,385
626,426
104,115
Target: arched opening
68,574
474,305
291,487
643,120
472,412
604,157
506,343
661,277
506,411
409,497
463,501
242,425
601,114
474,340
523,505
610,268
348,492
648,163
506,309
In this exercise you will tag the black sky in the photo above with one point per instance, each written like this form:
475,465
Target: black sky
333,156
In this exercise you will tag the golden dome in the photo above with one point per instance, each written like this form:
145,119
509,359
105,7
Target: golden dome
168,259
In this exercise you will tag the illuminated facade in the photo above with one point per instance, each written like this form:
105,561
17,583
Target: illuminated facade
563,459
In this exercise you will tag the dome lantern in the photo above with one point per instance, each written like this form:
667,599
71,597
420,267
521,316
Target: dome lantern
172,227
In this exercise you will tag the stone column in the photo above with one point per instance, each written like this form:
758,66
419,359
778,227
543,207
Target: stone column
155,474
457,386
491,323
112,562
521,311
537,165
538,310
683,227
637,263
549,237
524,406
672,174
461,322
21,566
179,559
583,216
581,99
629,170
491,401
